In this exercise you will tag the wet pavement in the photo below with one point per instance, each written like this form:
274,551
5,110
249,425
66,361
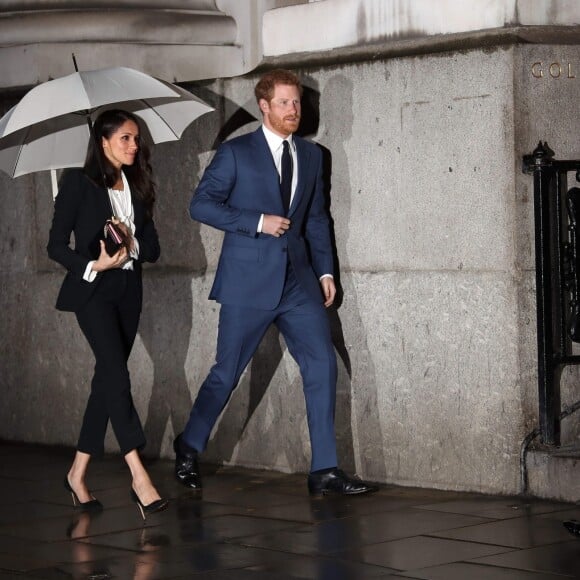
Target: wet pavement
256,525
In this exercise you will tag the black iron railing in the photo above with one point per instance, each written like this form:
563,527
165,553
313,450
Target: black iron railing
557,245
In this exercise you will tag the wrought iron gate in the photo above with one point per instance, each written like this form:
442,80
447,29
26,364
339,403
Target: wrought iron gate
557,245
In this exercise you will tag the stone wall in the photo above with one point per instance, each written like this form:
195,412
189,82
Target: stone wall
435,327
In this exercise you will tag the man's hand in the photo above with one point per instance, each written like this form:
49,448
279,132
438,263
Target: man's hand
328,290
275,225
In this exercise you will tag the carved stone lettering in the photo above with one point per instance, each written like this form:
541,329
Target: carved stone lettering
554,70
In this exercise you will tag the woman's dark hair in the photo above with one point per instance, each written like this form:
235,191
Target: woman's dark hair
101,170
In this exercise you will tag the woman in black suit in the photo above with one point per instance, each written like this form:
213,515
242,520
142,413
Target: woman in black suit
105,291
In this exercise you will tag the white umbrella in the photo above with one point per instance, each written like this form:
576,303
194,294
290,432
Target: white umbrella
48,128
82,91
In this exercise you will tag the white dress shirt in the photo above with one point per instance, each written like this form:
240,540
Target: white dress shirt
275,144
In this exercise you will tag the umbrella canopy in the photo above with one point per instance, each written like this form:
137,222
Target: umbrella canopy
48,128
82,91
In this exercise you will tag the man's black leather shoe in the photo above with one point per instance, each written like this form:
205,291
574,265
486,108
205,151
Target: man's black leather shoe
337,481
186,464
573,527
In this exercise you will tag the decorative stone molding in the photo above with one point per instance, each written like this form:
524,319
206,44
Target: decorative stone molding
188,40
101,21
177,40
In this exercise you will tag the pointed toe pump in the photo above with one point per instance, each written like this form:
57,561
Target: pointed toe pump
92,505
152,508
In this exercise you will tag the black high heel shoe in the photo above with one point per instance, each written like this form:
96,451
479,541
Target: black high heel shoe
87,506
146,510
573,527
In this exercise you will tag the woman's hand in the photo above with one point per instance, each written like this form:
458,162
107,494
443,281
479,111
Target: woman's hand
106,262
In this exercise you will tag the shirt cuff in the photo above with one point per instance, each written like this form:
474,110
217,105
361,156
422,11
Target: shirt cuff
326,276
135,251
89,274
260,224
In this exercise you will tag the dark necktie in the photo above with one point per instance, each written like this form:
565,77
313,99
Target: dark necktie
286,177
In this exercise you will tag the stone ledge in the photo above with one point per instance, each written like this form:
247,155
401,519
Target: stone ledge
340,23
420,45
24,66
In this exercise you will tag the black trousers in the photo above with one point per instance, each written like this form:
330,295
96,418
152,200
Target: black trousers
109,322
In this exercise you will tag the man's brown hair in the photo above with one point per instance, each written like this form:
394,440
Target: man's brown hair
265,87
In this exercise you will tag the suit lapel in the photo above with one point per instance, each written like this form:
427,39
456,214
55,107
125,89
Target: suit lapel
102,195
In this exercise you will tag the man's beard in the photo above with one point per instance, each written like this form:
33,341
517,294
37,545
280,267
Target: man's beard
285,125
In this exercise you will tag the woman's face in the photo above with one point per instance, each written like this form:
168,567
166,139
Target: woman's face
122,146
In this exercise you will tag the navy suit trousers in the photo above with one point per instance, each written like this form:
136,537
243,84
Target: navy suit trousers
306,330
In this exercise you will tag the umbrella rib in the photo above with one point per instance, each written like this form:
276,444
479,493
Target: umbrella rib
164,121
21,149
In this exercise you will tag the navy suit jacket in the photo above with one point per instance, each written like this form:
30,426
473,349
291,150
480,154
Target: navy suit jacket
82,207
242,183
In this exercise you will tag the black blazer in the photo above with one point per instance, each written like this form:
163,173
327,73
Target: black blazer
82,207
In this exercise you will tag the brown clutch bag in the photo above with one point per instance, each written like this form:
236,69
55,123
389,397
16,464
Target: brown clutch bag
115,238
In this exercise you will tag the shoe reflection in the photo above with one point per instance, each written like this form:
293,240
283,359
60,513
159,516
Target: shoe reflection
573,526
79,526
81,552
147,562
151,540
334,532
147,548
194,531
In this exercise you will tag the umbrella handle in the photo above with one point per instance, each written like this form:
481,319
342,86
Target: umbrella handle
54,183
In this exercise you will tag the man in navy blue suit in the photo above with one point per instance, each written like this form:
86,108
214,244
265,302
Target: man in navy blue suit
265,191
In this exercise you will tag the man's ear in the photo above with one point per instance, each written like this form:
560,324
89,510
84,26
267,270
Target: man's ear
264,105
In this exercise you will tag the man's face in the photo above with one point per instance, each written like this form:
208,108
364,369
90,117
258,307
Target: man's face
282,113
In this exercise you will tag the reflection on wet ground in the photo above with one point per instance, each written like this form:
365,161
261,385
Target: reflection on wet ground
255,525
